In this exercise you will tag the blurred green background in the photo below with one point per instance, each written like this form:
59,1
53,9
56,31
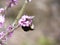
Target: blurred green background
46,21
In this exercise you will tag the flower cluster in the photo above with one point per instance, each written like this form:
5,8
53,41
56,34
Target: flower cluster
2,17
9,28
12,3
2,36
2,20
25,20
2,10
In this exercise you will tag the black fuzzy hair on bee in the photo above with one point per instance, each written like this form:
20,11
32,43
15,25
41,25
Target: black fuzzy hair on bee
27,28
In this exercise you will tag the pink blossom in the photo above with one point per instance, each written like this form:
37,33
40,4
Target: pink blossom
2,10
25,20
9,28
12,3
2,36
2,20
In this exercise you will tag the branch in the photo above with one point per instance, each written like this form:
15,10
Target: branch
19,14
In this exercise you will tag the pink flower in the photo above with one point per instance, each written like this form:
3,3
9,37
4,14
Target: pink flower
2,20
2,10
2,36
25,20
9,28
12,3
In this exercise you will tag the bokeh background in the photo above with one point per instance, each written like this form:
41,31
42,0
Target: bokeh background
46,21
